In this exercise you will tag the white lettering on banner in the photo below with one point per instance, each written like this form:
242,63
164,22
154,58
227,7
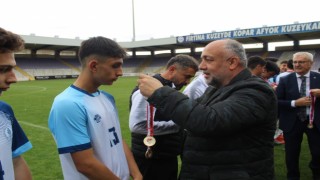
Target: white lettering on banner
315,26
300,27
259,31
244,32
199,37
219,35
268,30
263,31
308,28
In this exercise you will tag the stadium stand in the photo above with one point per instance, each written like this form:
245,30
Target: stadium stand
57,57
28,68
131,65
43,67
316,61
156,65
275,54
71,62
22,77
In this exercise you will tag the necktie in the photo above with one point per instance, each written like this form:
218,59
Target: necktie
303,110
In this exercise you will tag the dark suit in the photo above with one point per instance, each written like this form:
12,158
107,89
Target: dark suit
294,128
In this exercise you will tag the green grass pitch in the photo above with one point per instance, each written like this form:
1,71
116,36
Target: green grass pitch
31,102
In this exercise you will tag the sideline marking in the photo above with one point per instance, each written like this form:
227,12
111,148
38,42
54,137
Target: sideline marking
26,91
34,125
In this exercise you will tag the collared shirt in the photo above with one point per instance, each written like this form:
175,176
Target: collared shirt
196,88
283,74
138,110
293,102
307,82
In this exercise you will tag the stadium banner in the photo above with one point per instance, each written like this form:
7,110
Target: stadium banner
254,32
55,77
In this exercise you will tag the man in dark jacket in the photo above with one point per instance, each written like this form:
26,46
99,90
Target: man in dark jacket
163,164
231,127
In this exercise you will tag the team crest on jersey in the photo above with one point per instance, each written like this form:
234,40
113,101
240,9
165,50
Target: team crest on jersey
5,126
97,118
8,132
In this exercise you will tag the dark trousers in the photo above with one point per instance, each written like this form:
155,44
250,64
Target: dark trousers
158,169
293,140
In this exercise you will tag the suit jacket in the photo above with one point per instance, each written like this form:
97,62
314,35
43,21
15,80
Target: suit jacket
287,91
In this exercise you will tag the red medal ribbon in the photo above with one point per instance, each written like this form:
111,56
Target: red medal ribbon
149,140
150,110
311,116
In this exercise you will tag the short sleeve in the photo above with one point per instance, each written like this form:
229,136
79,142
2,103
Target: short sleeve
68,124
20,142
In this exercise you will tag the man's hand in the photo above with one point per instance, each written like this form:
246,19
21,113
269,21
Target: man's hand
315,92
148,85
303,101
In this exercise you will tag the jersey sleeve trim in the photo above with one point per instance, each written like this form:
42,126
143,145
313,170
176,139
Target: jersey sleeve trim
22,149
76,148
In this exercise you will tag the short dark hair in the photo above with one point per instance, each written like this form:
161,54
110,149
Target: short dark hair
100,47
273,59
272,67
183,61
290,64
10,42
254,61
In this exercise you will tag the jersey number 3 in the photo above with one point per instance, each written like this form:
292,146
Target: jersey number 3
115,140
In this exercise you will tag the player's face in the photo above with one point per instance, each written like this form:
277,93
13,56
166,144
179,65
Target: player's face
7,76
283,67
259,70
109,70
267,74
182,77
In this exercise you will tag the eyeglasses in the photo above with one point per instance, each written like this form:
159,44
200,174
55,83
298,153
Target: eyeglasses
300,62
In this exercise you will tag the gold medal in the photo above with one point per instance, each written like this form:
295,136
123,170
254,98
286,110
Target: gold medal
310,126
148,153
149,141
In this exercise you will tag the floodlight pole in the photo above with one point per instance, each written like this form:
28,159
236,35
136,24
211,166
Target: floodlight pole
133,23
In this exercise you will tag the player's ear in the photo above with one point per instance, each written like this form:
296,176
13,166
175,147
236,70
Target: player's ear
93,63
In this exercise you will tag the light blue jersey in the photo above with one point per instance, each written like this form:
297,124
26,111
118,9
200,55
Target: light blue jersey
13,141
79,121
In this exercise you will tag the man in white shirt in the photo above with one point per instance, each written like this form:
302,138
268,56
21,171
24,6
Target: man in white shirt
196,88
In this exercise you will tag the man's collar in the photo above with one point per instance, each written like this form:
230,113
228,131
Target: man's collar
306,75
244,74
163,80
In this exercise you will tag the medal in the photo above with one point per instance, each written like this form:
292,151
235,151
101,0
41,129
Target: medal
311,116
310,126
149,141
148,153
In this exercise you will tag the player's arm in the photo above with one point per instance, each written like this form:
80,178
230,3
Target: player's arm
133,167
91,167
21,169
138,119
